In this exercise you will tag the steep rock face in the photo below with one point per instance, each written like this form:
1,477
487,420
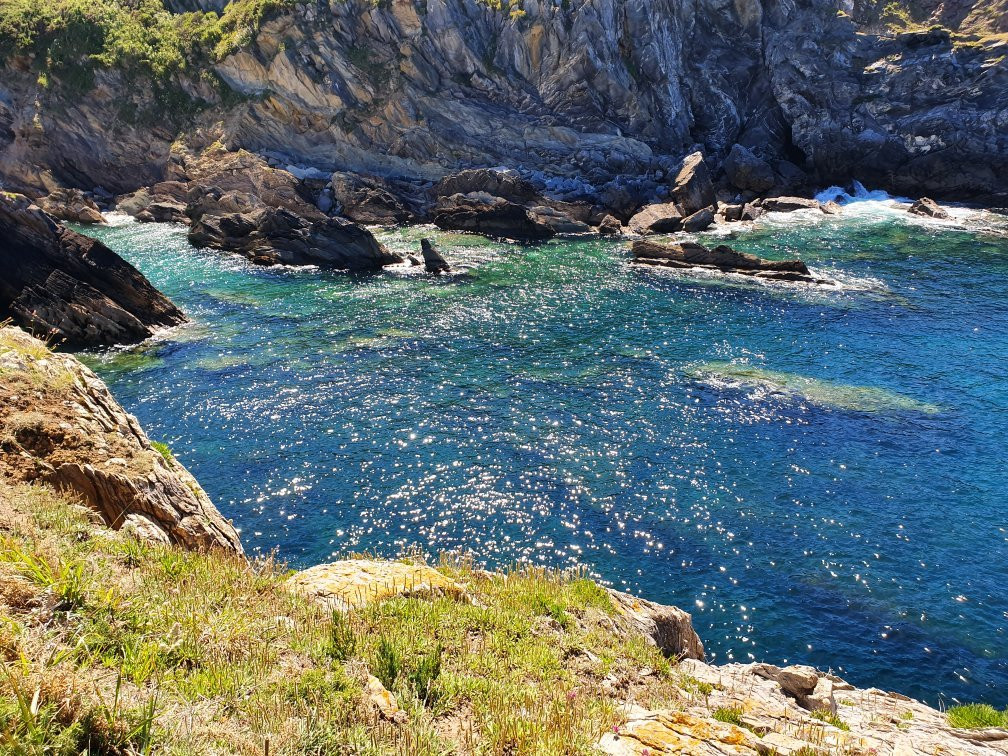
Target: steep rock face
60,284
61,425
583,93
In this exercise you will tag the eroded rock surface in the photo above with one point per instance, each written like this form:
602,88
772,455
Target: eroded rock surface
862,722
60,425
71,288
723,258
928,208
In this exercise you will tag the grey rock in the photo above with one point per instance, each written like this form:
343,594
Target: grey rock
747,171
789,204
71,288
489,215
434,262
659,218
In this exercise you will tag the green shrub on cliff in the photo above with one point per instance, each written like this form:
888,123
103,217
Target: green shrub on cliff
70,39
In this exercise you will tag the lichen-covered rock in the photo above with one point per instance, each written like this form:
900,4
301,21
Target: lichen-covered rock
60,425
71,288
352,583
867,721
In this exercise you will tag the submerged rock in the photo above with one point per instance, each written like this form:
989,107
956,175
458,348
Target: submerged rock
71,288
928,208
433,261
61,426
722,258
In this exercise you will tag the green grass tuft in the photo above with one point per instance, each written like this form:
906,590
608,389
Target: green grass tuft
974,716
729,715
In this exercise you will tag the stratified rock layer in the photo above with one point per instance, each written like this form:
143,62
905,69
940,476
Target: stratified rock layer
60,425
722,258
70,288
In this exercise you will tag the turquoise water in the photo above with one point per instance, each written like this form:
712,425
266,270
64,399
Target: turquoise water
817,474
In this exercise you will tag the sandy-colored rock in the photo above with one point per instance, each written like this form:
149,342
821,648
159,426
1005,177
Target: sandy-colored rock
798,680
60,425
71,205
928,208
669,627
352,583
659,218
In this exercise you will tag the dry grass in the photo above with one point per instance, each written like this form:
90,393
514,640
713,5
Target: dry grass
116,646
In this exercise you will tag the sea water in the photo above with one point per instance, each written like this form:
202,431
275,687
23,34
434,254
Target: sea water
817,473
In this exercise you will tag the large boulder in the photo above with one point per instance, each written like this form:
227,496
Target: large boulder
490,215
789,204
368,199
746,171
60,425
236,222
71,205
701,220
71,288
668,627
691,188
659,218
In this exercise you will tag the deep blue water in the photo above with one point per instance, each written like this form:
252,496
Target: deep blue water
818,475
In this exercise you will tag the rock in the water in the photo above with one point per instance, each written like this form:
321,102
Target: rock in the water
433,260
490,215
558,221
789,204
928,208
699,221
68,287
68,431
71,205
831,208
751,211
722,258
692,189
660,218
746,171
610,226
236,222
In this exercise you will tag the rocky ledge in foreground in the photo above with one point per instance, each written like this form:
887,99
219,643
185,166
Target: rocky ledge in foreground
68,287
722,258
60,425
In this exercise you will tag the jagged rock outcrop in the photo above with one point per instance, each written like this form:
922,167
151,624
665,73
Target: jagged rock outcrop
60,425
71,205
766,717
70,288
723,258
928,208
367,199
745,170
236,222
668,627
596,97
434,262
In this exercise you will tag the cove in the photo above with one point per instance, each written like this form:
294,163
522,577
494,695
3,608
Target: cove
553,408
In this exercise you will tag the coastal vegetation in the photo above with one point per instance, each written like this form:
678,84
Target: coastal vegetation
115,645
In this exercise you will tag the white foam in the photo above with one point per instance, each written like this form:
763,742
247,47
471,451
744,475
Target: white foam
116,218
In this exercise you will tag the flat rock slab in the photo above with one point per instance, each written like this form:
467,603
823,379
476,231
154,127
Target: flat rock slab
353,583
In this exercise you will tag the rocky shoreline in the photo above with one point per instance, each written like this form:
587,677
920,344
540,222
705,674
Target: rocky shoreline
73,435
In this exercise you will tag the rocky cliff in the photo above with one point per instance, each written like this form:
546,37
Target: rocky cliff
589,97
70,288
60,425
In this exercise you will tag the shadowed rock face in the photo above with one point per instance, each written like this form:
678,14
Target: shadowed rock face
66,286
595,91
70,432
